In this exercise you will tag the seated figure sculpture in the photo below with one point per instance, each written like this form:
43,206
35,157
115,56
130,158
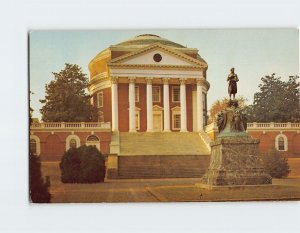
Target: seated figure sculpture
235,156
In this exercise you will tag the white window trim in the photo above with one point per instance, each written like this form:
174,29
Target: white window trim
38,144
99,105
285,142
177,87
93,143
173,119
137,94
159,94
69,138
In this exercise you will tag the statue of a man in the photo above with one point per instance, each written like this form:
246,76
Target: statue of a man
232,79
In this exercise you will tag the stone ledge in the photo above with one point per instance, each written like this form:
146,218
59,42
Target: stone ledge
232,187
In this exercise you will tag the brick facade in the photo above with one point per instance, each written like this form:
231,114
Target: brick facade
53,143
267,141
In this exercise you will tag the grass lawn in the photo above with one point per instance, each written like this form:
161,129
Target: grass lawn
156,190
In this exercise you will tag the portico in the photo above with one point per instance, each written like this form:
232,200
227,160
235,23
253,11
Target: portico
153,110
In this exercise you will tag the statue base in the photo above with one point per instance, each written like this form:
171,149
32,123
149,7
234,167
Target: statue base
235,161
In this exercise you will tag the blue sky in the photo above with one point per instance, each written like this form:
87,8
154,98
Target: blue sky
254,53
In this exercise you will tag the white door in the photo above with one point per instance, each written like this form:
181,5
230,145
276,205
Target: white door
157,122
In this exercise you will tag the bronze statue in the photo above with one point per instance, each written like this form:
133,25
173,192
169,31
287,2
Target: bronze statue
232,79
231,119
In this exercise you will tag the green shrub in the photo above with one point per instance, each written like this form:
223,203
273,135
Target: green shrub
38,186
82,165
276,164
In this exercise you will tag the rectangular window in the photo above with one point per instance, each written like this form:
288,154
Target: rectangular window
137,94
176,121
100,99
176,94
155,94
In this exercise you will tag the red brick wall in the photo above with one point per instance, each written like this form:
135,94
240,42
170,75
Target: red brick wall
267,141
106,109
189,107
296,144
54,145
123,107
142,104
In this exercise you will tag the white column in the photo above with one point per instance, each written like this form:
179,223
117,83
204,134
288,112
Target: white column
114,102
166,105
183,127
199,105
131,94
149,105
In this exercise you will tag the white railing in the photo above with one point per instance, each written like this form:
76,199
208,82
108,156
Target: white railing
71,125
256,125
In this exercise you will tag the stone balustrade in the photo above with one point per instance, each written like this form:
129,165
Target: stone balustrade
260,126
70,125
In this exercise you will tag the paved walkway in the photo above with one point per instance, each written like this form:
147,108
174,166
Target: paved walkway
169,190
162,190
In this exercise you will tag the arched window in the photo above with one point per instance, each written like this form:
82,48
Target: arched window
281,142
32,146
73,143
35,145
93,140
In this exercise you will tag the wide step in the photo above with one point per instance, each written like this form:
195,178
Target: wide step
184,166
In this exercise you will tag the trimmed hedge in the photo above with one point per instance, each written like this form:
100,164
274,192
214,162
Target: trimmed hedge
39,188
84,164
276,164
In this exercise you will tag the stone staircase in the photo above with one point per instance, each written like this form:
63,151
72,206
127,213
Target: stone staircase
161,143
162,155
166,166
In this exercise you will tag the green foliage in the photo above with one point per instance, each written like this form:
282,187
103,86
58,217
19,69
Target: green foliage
38,187
219,105
66,99
276,164
277,101
82,165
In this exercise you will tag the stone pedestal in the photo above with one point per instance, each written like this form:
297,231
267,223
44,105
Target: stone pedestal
235,161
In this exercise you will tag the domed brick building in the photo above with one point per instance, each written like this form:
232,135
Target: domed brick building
150,84
150,89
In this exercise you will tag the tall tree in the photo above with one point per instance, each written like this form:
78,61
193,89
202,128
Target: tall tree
66,99
277,100
219,105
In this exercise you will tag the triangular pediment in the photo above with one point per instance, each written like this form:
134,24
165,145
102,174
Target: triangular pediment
157,108
157,55
176,108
